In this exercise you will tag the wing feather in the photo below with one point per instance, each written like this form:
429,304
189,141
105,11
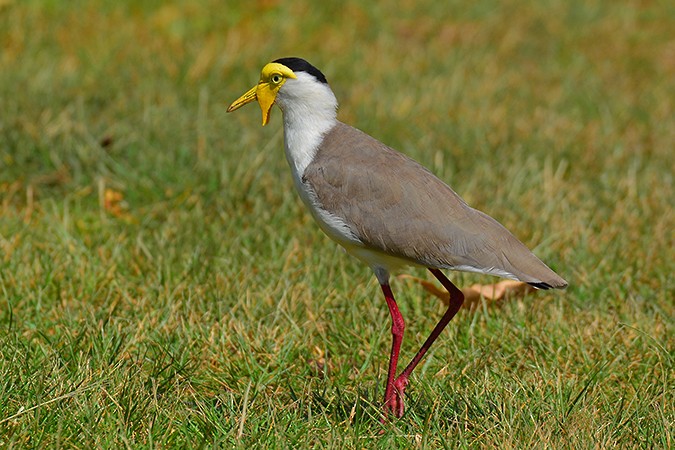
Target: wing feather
401,208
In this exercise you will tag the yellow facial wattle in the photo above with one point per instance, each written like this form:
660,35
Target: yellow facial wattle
272,77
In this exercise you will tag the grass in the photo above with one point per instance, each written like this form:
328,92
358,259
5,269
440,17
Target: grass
162,286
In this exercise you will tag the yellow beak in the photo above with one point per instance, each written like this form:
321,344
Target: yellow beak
264,93
272,77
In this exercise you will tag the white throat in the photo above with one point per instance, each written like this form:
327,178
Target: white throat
310,111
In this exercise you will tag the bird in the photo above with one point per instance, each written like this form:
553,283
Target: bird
383,207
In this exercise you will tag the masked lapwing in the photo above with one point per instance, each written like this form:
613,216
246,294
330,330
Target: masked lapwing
382,207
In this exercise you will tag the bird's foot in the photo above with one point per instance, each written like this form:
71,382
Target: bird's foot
394,404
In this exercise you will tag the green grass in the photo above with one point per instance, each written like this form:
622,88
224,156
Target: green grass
206,309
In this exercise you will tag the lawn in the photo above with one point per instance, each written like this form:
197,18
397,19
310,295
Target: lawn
161,284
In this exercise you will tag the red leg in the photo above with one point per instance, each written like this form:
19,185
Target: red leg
397,328
456,300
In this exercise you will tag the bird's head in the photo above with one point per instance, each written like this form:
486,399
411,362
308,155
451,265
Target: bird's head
272,79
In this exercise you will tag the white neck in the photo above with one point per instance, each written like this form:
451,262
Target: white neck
310,111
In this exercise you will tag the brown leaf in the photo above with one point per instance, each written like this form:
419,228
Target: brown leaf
113,202
507,289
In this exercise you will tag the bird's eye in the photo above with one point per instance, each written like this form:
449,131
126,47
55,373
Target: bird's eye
276,78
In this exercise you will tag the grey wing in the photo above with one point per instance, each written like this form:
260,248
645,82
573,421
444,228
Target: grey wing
400,208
